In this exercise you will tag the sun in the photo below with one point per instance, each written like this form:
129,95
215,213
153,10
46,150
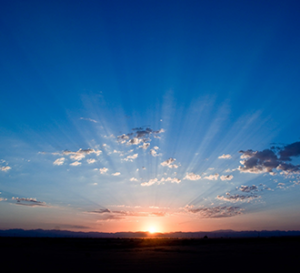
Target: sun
152,229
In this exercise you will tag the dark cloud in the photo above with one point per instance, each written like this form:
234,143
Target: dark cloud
140,135
289,151
30,202
268,161
215,212
100,211
248,188
237,198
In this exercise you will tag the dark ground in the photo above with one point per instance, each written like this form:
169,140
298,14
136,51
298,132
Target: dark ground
150,255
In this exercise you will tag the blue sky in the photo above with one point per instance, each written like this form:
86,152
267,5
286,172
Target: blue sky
126,115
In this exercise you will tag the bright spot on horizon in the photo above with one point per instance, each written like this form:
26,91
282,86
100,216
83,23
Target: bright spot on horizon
152,230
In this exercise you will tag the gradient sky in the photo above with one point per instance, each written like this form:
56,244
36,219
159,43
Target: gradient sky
131,115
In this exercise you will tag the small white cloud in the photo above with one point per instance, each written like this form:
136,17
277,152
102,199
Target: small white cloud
89,119
3,199
156,148
144,146
59,161
150,182
91,160
169,163
192,176
133,179
116,174
131,157
154,153
212,176
161,181
226,177
225,156
5,168
76,163
103,170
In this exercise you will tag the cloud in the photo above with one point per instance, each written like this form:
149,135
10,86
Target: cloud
59,161
135,141
130,157
192,176
107,214
89,119
150,182
81,153
161,181
103,170
226,177
212,176
224,156
91,160
133,179
288,151
154,153
215,212
76,163
248,188
116,174
144,146
5,168
3,199
258,162
139,135
267,160
100,211
30,202
169,163
237,198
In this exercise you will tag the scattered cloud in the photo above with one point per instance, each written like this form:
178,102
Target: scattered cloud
81,153
192,176
3,199
169,163
237,198
144,146
29,202
91,160
133,179
76,163
212,176
248,188
154,153
103,170
5,168
268,160
130,157
59,161
288,151
215,212
226,177
140,135
89,119
116,174
161,181
225,156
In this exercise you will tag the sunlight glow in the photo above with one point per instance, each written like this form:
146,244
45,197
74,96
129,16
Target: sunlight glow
152,229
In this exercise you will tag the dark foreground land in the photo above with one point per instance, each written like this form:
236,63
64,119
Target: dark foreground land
150,255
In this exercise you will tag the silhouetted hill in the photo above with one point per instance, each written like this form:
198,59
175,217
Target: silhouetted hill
201,234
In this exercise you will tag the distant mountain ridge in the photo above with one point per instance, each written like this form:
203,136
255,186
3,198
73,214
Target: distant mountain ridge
212,234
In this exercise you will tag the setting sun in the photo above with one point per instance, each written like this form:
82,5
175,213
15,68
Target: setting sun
152,229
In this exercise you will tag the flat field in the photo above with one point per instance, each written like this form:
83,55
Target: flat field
149,255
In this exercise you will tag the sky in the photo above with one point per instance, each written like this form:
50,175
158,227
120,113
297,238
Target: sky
150,115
